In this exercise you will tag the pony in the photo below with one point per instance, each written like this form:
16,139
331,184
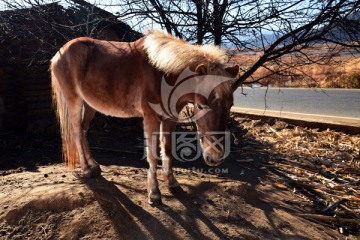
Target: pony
123,79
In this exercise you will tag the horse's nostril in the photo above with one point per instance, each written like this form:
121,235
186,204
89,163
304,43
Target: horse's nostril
211,161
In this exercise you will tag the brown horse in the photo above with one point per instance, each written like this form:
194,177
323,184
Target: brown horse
124,79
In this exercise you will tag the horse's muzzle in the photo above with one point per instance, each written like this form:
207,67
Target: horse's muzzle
213,160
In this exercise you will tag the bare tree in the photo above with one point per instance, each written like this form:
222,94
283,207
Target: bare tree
320,26
274,28
193,20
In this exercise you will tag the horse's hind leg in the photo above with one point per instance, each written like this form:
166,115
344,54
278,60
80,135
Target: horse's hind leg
88,115
75,117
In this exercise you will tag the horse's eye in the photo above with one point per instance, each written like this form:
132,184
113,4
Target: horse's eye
200,106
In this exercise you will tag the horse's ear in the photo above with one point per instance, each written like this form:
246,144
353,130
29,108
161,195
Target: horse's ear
201,69
234,70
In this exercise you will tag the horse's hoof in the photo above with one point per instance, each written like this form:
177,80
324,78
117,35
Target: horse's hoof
155,202
176,190
92,172
87,173
96,171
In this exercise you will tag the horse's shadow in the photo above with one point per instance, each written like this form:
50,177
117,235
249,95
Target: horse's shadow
132,221
192,214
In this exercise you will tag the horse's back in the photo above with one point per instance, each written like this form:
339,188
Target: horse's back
109,76
92,53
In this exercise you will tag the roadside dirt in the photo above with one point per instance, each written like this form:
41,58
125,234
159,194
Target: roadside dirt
258,193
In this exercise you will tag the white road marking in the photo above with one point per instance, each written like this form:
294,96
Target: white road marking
263,112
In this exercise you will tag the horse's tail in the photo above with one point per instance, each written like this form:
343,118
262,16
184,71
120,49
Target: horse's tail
69,150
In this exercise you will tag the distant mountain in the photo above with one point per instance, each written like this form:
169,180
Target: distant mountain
348,30
267,39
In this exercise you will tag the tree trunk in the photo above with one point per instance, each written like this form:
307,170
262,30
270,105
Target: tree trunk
218,15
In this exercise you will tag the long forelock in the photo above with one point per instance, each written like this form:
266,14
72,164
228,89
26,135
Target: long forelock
172,55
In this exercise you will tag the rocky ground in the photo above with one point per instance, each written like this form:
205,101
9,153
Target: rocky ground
279,182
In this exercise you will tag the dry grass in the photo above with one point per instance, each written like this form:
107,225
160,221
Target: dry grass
343,71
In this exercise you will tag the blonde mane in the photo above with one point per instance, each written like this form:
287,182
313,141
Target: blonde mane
172,55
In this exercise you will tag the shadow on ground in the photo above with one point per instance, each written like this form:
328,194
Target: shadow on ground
235,200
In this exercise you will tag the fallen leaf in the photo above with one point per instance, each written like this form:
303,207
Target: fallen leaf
280,186
354,198
348,171
300,171
340,187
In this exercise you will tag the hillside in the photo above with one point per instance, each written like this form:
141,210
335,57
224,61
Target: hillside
341,71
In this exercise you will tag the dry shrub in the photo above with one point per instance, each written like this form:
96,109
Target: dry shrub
343,74
354,80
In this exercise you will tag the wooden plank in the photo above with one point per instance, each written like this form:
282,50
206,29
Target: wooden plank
40,112
37,87
37,93
34,99
38,79
39,105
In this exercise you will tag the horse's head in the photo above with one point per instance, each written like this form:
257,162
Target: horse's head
214,111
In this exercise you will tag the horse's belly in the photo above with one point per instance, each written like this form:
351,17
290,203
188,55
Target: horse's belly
124,108
128,113
114,96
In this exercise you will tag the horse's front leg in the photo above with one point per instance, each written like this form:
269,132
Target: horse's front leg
152,129
167,128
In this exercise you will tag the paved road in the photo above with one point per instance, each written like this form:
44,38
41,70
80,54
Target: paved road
337,103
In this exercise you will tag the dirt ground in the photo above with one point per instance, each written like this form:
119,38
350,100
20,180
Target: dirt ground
279,182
